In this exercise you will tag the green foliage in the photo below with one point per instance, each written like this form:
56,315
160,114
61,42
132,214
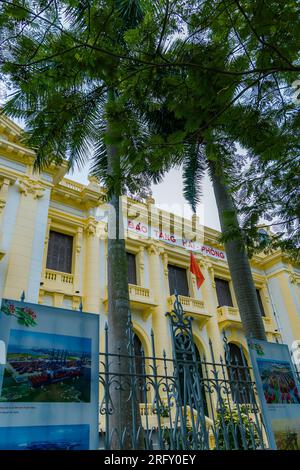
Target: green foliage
193,173
65,67
235,429
189,83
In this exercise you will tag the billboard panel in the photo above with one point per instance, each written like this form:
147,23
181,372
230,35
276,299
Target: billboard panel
279,393
49,383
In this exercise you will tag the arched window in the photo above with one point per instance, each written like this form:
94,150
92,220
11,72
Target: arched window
190,373
238,372
139,355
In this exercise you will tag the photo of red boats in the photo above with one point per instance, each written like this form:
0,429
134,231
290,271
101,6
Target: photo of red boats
44,367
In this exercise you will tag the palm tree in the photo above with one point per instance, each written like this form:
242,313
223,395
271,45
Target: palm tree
237,257
206,146
195,162
67,93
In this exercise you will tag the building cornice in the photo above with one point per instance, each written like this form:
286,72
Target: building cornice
10,128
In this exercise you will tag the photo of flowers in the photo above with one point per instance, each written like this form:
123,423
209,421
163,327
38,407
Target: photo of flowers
25,315
278,382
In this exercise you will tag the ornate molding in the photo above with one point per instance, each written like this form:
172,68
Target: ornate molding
202,263
153,249
102,232
141,258
292,277
29,185
48,231
264,292
165,263
2,204
211,273
4,193
79,240
91,229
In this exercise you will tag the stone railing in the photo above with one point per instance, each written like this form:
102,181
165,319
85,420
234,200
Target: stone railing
140,297
228,316
72,185
190,302
138,291
58,276
231,316
269,325
192,307
56,281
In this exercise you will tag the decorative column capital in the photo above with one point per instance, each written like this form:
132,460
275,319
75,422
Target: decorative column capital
292,277
2,204
165,263
48,231
141,257
4,185
79,239
153,249
29,185
91,228
211,273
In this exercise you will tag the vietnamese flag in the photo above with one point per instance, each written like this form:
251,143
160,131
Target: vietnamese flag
194,268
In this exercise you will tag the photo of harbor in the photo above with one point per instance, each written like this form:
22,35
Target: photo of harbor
62,437
45,367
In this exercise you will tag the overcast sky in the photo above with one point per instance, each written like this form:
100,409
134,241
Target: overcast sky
168,196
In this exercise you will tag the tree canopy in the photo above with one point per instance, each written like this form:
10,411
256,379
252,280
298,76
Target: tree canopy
201,78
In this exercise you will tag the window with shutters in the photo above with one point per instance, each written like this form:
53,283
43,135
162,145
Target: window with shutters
131,264
223,293
261,307
238,374
178,280
60,251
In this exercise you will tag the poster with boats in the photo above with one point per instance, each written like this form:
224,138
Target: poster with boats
49,382
278,388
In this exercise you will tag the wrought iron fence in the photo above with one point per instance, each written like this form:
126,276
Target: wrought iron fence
182,402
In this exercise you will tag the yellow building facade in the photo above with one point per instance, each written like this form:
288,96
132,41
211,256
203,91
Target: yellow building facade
53,246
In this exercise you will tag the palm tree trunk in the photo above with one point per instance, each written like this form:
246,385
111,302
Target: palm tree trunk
125,415
238,261
118,308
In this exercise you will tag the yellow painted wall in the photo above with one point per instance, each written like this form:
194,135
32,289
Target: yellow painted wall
72,209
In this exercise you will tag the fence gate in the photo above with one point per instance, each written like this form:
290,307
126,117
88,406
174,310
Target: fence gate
182,402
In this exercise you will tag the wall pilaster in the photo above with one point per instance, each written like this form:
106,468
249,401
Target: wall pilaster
91,299
160,324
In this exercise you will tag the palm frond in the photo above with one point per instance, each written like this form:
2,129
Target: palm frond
194,167
131,12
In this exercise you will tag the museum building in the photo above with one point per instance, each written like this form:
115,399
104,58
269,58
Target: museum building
53,246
